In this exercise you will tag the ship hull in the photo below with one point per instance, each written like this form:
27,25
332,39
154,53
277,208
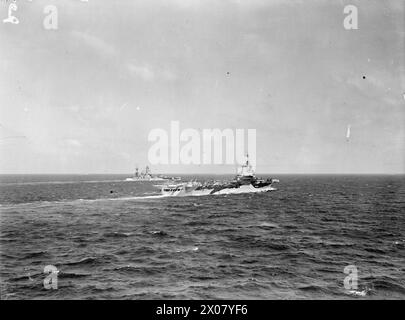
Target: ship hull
182,192
245,189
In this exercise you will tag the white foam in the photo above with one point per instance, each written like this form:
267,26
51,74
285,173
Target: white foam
358,293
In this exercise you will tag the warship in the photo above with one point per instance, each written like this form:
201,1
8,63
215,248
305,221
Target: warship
244,182
145,176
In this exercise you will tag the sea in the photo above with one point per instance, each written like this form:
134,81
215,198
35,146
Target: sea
315,237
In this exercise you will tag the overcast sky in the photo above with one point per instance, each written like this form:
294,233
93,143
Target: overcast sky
83,98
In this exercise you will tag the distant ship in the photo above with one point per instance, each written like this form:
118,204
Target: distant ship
146,176
244,182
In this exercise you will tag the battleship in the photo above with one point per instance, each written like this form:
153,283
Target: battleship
146,176
244,182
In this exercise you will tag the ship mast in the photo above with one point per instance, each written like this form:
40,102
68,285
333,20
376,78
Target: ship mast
136,172
246,168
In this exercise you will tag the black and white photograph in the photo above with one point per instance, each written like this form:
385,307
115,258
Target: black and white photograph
202,150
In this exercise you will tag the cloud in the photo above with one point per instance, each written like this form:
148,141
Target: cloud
143,72
376,86
187,4
149,73
72,143
366,83
95,43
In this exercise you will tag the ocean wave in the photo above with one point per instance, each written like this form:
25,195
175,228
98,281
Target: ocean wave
264,225
358,293
188,249
84,261
315,288
141,269
35,254
27,276
386,284
72,275
44,203
118,234
159,233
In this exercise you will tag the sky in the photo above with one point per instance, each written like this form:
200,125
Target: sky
83,98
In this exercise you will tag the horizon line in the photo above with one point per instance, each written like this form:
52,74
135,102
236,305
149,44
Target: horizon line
211,173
